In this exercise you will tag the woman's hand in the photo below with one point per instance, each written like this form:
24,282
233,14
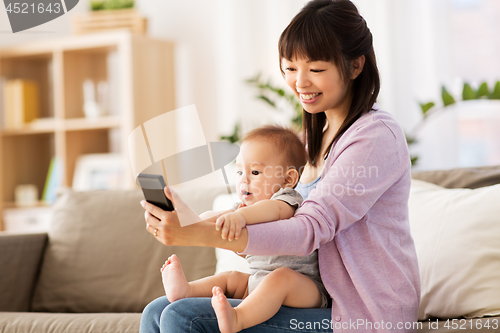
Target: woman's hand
164,225
166,228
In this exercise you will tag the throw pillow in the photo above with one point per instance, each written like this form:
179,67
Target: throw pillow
456,233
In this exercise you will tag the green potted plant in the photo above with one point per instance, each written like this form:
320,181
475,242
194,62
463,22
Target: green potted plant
110,4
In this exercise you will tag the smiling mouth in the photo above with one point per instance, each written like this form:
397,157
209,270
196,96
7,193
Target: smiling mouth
245,193
307,97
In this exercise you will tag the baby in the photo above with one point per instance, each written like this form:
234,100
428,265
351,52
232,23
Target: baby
268,167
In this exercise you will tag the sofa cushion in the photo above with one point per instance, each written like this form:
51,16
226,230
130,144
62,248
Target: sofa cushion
100,258
458,248
22,322
461,177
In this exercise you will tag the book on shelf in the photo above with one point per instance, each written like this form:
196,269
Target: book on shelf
21,102
53,181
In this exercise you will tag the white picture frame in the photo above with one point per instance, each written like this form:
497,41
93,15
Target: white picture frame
99,172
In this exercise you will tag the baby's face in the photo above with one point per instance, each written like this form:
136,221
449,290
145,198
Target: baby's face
260,172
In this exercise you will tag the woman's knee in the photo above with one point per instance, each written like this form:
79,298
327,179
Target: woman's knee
189,315
150,319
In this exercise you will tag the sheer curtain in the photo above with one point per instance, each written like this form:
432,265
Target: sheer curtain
412,43
219,44
248,45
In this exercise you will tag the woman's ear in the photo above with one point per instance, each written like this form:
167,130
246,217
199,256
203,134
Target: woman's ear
291,178
357,66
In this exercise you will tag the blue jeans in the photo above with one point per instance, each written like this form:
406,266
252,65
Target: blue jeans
197,315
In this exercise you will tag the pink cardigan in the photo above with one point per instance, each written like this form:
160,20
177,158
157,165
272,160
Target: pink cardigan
358,219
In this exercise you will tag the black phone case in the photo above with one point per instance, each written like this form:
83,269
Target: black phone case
152,186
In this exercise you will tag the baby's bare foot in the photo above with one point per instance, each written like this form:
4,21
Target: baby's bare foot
227,317
174,282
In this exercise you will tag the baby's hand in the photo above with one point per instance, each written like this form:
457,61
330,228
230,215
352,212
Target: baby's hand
231,224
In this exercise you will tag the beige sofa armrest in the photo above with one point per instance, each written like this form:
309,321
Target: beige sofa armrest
20,257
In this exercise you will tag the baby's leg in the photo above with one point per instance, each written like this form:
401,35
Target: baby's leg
234,284
283,286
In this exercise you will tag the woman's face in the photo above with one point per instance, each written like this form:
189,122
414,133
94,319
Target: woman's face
318,85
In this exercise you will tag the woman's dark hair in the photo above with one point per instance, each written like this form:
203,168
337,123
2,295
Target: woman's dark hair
332,30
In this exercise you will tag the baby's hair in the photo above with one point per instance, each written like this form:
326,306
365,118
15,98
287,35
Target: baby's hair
332,31
285,140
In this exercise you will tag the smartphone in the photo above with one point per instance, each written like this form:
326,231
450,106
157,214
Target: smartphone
152,187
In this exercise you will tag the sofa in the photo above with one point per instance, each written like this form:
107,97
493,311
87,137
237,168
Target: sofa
97,267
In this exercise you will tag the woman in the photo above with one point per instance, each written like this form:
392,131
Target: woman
355,185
